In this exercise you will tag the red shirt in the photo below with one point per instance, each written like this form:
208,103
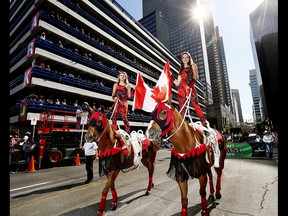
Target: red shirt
187,77
187,80
122,94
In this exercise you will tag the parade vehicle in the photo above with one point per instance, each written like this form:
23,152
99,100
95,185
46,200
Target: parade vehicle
59,139
259,148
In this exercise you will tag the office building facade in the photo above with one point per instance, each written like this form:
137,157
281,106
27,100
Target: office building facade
199,36
237,105
222,105
184,34
72,51
157,27
256,97
264,41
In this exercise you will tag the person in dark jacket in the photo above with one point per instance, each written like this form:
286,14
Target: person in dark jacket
28,148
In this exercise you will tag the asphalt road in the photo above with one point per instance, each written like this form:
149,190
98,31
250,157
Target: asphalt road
249,187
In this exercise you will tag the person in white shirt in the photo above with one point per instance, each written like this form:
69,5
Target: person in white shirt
90,150
269,141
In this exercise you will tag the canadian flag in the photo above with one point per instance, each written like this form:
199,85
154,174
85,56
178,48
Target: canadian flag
146,98
163,89
142,96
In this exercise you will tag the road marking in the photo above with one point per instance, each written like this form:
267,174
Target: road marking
29,186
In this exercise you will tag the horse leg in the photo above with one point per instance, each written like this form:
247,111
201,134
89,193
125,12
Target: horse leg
211,186
184,199
113,205
219,173
151,168
218,183
109,184
149,162
202,192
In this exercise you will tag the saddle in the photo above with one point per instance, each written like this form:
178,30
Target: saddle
134,144
210,138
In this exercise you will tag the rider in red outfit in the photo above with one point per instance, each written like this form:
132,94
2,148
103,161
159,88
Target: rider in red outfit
187,77
121,92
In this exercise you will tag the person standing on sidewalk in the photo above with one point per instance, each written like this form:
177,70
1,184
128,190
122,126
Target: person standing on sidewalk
12,144
28,148
90,149
269,141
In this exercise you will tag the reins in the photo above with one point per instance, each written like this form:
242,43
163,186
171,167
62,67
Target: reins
186,102
114,105
109,119
102,134
187,113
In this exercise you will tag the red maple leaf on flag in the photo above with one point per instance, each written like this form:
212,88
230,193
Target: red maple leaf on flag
146,98
158,94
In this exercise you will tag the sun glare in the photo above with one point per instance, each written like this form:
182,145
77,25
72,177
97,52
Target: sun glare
199,12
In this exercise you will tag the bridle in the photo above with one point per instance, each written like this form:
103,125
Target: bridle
99,128
165,124
96,115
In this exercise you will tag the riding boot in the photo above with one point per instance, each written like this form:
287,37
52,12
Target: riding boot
203,121
127,129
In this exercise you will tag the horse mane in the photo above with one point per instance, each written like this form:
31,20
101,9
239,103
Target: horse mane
92,111
102,109
108,126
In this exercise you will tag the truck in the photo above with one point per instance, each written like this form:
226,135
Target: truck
59,139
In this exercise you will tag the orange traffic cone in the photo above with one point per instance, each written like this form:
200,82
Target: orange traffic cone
31,166
77,159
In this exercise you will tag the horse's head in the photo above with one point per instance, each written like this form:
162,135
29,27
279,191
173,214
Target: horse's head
97,124
162,120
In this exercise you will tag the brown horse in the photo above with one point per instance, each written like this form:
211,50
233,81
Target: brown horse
190,157
118,152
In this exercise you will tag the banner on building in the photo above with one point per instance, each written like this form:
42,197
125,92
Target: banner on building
23,111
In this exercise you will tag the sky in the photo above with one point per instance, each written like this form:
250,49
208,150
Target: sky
232,19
